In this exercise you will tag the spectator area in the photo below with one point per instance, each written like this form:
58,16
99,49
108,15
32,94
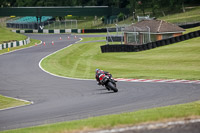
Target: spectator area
30,19
28,22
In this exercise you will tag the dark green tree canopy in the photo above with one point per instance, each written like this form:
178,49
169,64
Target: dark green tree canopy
133,5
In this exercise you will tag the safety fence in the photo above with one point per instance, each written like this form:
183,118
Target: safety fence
151,45
15,44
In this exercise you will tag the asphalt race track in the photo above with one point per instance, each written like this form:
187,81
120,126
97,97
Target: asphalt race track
60,99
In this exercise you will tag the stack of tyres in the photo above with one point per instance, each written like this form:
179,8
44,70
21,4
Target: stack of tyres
107,48
191,35
167,41
136,49
157,43
196,34
123,49
102,49
118,48
162,42
172,40
94,30
144,46
186,36
149,45
182,38
177,39
154,45
112,48
140,47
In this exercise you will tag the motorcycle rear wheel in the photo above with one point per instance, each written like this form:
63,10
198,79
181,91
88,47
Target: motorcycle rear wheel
112,86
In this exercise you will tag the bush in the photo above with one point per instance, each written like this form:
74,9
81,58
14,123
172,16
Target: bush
120,16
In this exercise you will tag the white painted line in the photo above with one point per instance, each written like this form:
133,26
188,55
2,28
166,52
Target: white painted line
149,126
31,102
55,74
119,79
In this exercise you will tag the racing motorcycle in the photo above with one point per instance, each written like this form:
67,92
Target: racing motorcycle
108,82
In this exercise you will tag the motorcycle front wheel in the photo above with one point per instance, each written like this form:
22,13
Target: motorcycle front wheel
112,86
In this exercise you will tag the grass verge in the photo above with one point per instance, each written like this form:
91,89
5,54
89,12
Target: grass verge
189,16
9,36
176,61
8,102
92,39
109,121
191,30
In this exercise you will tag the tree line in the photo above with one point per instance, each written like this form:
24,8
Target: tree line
153,6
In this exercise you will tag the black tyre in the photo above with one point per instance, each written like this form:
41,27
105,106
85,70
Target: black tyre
112,86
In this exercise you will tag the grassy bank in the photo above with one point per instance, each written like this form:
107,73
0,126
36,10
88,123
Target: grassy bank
176,61
132,118
191,30
9,36
8,102
191,15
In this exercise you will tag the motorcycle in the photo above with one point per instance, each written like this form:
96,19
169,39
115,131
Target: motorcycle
108,82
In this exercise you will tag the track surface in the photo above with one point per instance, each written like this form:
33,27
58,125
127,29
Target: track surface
58,99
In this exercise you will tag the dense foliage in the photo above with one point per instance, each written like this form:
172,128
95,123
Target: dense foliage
154,6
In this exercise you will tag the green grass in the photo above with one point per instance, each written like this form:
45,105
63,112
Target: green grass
191,30
8,102
176,61
193,15
8,36
109,121
92,39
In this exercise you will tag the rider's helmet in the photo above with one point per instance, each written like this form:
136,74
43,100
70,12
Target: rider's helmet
97,70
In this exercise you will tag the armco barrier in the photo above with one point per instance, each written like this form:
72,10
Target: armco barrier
136,48
14,44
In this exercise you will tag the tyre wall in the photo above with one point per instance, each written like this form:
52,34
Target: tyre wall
151,45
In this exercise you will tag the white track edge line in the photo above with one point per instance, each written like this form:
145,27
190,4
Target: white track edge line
31,102
59,75
120,79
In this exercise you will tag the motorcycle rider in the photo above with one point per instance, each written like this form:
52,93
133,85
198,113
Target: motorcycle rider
99,74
